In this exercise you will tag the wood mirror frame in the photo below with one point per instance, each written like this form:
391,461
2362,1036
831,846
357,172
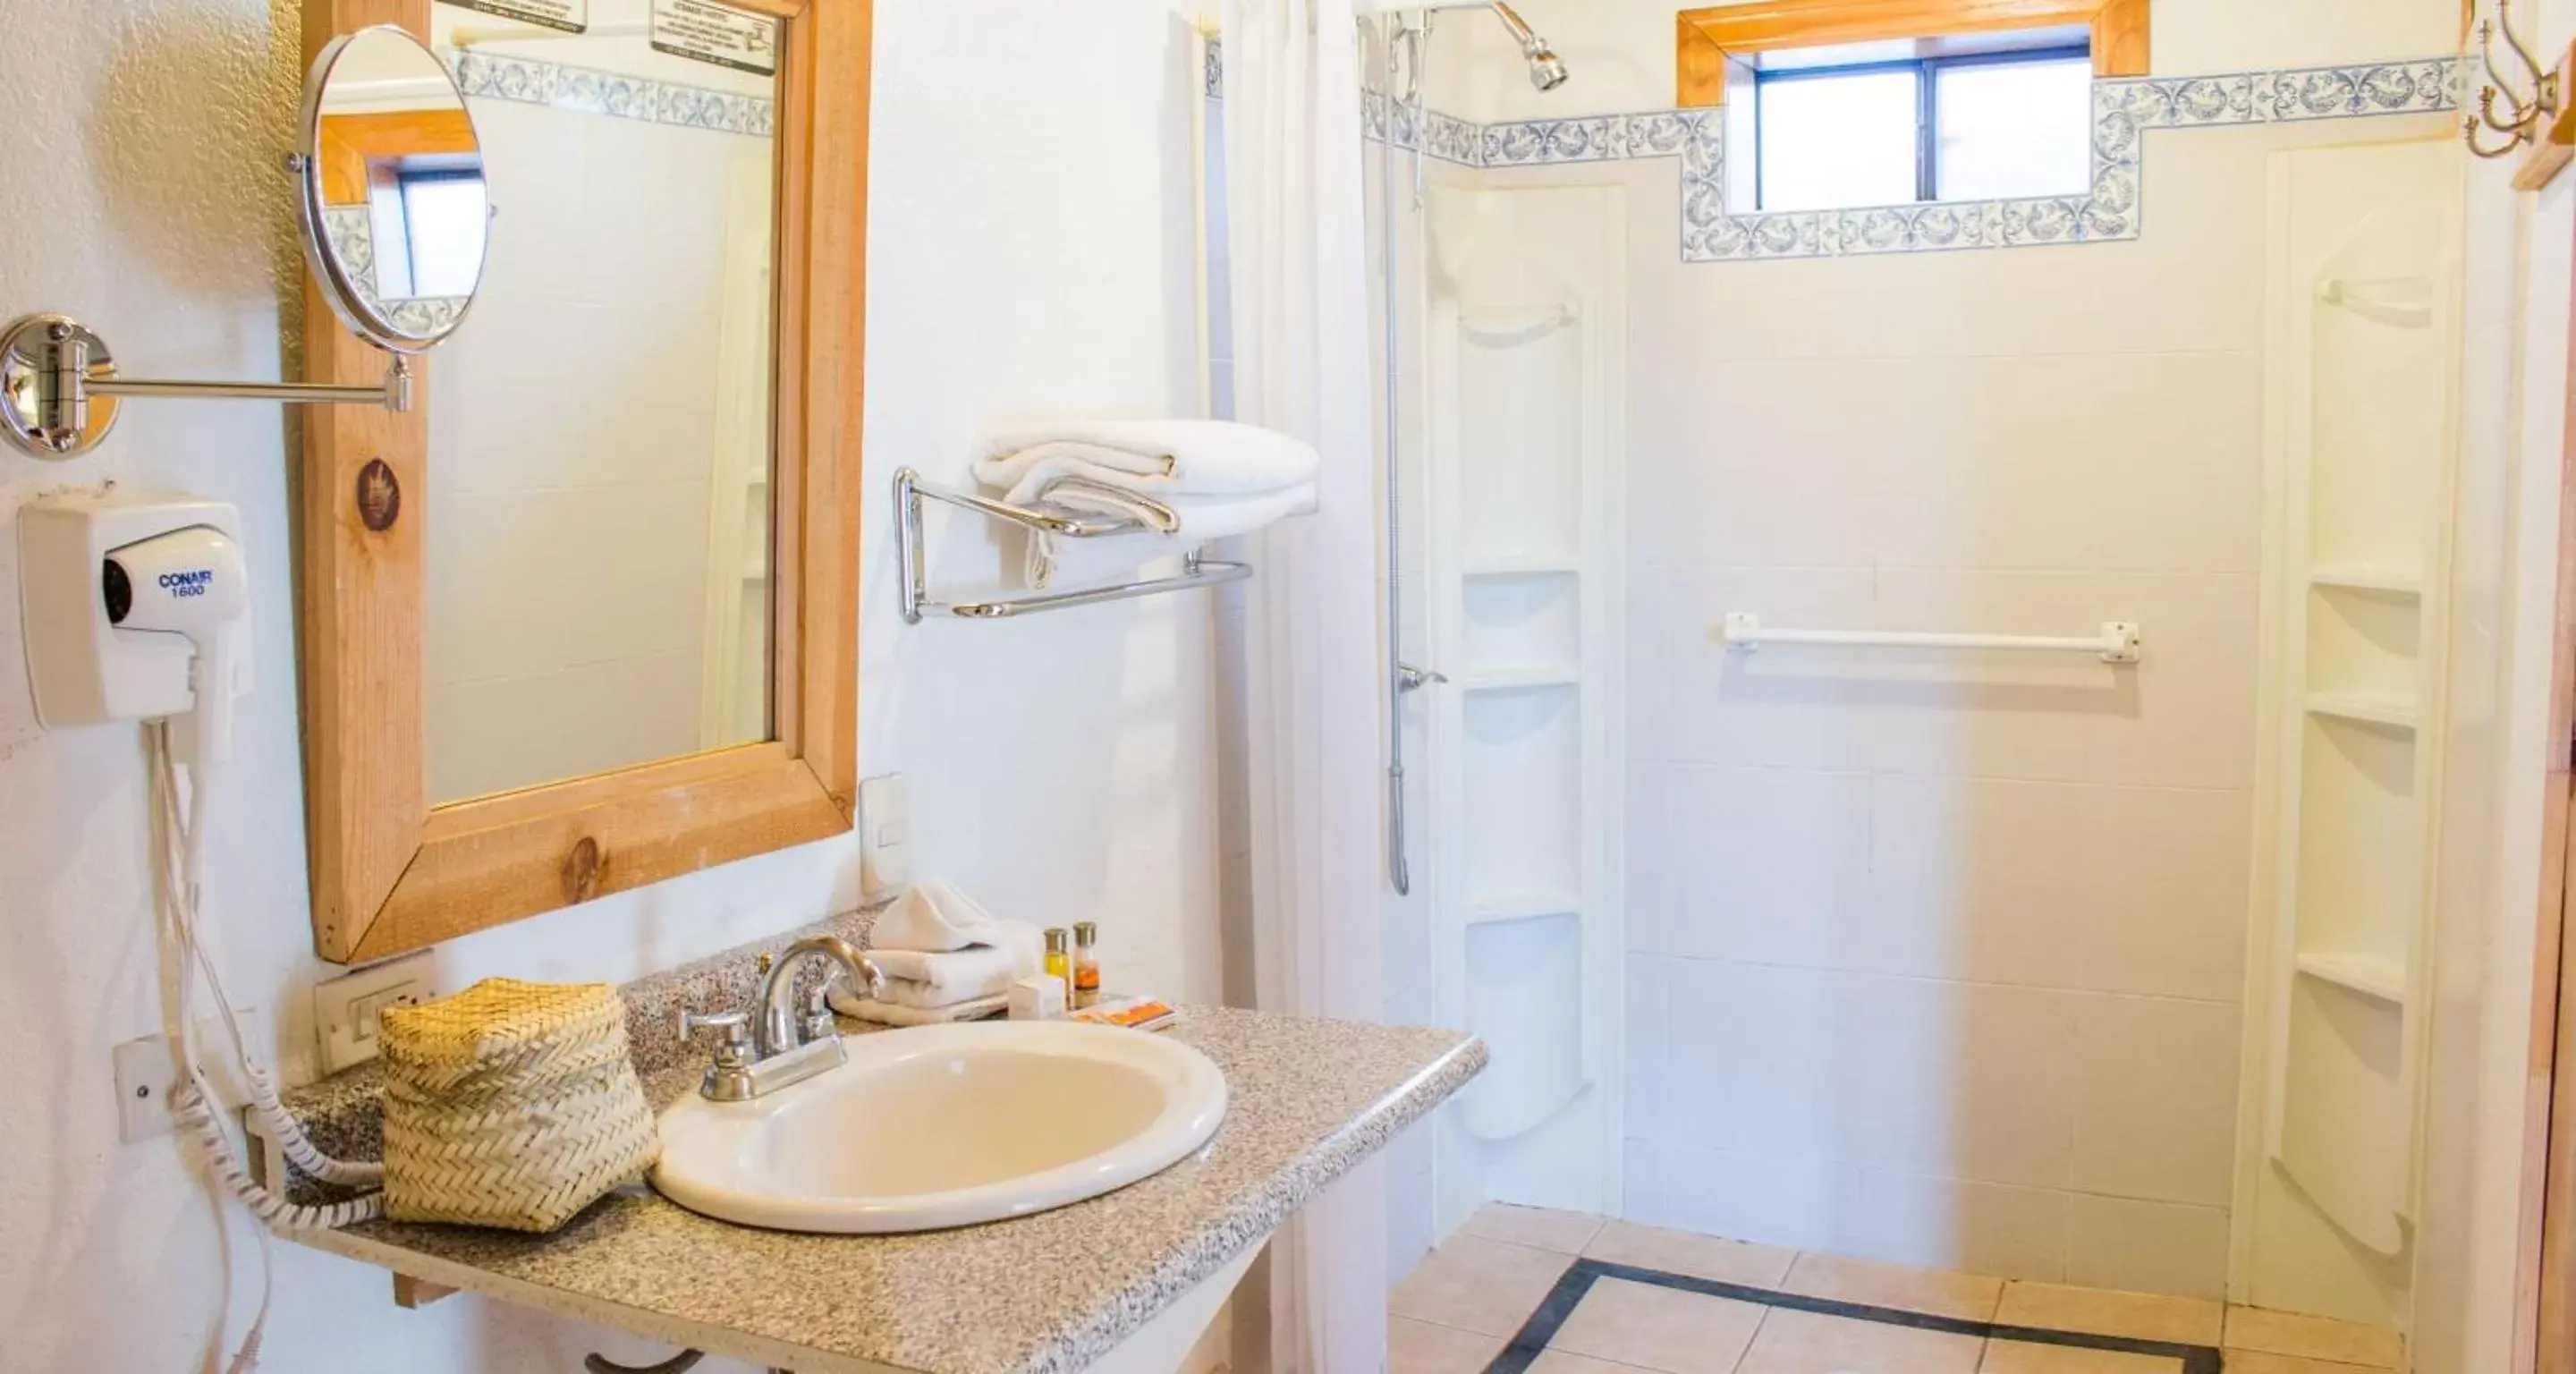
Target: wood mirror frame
390,872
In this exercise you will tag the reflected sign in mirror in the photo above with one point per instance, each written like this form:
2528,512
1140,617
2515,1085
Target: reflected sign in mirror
397,218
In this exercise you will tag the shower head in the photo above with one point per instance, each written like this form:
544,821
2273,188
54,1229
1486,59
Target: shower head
1547,70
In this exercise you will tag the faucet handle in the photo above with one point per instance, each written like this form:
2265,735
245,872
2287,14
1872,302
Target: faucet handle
729,1078
732,1027
815,1019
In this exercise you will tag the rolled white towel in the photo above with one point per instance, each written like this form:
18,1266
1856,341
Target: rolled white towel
1156,457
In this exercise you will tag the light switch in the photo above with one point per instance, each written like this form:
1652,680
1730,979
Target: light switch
345,1009
885,826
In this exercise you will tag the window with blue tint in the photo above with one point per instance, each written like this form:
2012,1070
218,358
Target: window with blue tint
1982,126
1834,138
2013,128
443,215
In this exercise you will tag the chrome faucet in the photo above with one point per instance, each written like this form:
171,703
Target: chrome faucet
781,1032
788,1046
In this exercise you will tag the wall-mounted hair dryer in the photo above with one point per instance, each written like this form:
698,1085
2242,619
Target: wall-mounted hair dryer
137,608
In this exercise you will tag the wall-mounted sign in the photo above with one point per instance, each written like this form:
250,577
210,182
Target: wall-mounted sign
709,32
571,16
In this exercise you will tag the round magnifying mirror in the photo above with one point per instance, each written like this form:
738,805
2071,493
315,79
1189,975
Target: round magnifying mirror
396,220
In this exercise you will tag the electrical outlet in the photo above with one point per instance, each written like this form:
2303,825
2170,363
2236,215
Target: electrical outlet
345,1009
885,822
146,1072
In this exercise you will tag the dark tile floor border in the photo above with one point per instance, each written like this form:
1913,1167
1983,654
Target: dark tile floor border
1578,1280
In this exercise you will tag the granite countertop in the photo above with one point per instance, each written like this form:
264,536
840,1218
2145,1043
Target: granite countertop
1045,1294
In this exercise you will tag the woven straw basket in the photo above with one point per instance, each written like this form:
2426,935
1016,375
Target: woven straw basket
512,1105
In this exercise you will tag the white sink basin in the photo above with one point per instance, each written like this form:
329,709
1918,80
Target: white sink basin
945,1126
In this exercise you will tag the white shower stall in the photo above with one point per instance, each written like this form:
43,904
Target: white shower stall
2076,968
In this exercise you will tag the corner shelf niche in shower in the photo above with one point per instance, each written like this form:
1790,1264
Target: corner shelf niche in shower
2363,708
1536,678
1518,565
2377,976
2368,578
2363,324
1521,906
1524,329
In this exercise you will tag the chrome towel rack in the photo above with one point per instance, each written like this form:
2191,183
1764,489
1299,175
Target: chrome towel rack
2119,641
910,487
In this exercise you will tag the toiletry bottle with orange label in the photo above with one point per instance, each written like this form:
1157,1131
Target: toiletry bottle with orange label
1086,963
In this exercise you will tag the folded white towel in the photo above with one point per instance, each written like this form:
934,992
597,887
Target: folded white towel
1052,560
918,979
890,1014
1157,457
905,992
934,918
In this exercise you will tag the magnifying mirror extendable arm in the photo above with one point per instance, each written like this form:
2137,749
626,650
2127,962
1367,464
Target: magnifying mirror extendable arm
55,372
385,130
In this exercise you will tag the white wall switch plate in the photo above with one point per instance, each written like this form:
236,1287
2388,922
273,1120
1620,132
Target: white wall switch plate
345,1009
885,824
145,1074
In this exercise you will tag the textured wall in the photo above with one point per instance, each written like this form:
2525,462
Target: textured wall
1028,203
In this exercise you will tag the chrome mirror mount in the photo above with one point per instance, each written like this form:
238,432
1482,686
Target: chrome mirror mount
395,223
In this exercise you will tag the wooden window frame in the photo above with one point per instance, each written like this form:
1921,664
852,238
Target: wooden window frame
354,146
391,872
1708,40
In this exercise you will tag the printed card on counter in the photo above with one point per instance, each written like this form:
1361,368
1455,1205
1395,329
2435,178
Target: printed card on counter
704,31
571,16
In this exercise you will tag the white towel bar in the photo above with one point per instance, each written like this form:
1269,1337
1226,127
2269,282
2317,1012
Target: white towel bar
2118,642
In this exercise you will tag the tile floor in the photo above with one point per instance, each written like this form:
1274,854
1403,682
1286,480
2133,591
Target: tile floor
1458,1312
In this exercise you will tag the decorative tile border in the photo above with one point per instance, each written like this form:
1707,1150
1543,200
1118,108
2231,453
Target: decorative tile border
2109,212
352,235
1444,138
585,90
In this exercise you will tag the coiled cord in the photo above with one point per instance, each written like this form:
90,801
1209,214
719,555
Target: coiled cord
182,833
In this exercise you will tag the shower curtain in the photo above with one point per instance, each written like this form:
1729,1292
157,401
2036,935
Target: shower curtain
1298,239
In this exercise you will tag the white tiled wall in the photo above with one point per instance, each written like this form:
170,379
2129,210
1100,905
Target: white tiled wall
575,427
1938,959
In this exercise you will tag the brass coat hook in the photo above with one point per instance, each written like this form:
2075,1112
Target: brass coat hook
2524,119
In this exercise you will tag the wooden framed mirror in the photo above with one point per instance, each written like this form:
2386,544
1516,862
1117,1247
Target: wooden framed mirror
438,803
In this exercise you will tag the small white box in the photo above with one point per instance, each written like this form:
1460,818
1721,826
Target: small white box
1038,998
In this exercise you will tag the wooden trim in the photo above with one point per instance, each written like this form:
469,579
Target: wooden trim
2545,1280
353,144
391,874
360,598
2550,1263
560,846
2550,153
414,1294
1709,38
